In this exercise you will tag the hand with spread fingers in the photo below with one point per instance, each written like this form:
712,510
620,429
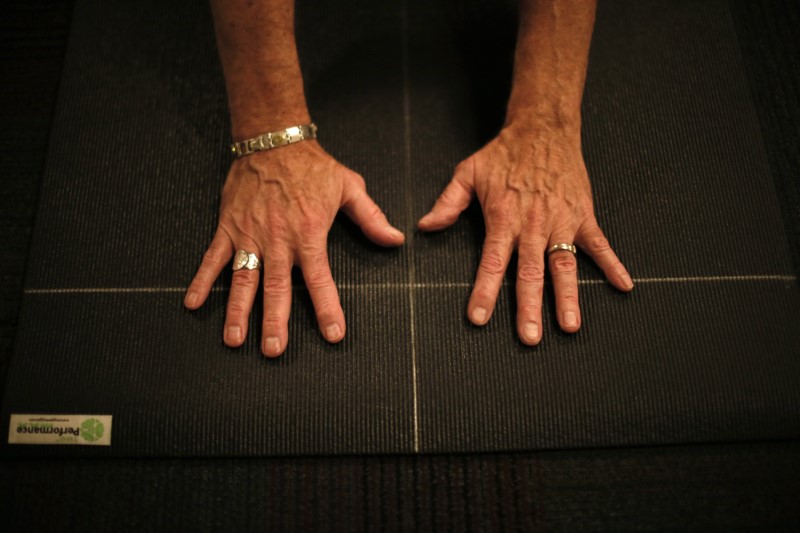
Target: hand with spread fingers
282,194
277,208
535,195
531,180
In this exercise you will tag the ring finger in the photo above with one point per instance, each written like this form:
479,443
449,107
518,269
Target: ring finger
564,272
240,301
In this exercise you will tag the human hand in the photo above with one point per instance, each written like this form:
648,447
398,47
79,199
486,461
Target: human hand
534,191
280,205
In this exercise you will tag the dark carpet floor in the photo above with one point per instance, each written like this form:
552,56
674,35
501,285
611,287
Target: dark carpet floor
721,486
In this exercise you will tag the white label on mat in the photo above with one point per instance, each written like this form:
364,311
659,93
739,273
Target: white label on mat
94,430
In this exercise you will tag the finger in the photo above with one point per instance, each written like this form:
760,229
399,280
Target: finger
362,210
454,199
564,273
277,302
240,302
218,255
594,243
321,287
530,287
494,260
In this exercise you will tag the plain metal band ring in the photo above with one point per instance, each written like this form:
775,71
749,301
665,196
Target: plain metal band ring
562,246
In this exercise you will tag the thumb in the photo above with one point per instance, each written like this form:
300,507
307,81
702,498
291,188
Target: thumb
363,210
454,199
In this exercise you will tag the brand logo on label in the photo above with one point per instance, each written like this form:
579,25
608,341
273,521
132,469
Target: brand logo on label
60,429
92,429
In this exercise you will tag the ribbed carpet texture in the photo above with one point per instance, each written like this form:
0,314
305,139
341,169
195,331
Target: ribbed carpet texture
704,349
712,486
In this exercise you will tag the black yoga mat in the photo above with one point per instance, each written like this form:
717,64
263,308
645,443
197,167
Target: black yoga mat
704,349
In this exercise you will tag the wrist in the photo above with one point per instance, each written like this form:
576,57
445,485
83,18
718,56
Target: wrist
255,114
534,126
557,116
270,100
250,124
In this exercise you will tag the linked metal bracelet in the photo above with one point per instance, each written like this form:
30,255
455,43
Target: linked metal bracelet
274,139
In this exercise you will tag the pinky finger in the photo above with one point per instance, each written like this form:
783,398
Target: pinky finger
592,241
216,257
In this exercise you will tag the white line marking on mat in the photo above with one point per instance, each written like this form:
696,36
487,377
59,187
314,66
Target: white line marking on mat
690,279
448,285
410,214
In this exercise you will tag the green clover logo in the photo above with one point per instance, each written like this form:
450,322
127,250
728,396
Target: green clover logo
92,429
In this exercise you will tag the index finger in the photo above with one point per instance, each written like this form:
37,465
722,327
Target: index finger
217,255
592,241
322,289
494,261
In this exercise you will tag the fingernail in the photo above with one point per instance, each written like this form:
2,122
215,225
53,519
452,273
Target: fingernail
427,218
333,332
570,319
627,282
531,332
479,315
272,346
191,299
234,334
394,232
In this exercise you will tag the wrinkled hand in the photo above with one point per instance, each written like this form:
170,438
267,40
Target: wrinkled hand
534,192
280,205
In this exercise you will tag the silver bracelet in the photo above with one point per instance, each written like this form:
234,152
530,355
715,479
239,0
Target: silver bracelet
274,139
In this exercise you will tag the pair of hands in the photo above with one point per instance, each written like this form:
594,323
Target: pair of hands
280,204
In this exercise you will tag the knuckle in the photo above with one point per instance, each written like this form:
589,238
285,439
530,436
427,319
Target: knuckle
563,263
492,264
326,312
536,220
359,179
448,196
531,273
277,285
318,279
327,308
569,297
617,266
212,256
499,213
247,280
529,311
312,224
276,223
272,323
236,309
484,295
599,243
375,211
202,279
462,171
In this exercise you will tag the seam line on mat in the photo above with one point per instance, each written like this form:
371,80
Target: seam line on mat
453,285
410,218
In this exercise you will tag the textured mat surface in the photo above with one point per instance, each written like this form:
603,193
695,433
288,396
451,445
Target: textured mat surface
703,350
653,489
